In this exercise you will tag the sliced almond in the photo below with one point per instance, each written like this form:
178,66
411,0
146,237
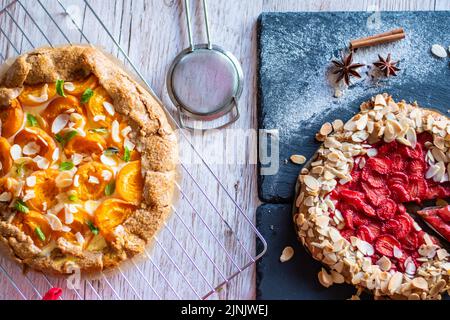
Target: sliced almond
287,254
298,159
60,123
109,108
325,278
15,151
311,182
420,283
326,129
43,96
54,222
31,148
395,282
115,131
337,124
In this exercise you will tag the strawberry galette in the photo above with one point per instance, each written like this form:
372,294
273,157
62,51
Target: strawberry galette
87,161
350,211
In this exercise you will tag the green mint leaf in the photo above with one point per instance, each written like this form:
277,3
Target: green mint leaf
21,206
93,228
20,170
60,88
73,198
110,151
32,121
99,130
67,165
64,139
40,234
110,187
126,155
87,94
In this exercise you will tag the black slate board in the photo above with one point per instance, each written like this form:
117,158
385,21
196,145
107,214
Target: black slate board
294,97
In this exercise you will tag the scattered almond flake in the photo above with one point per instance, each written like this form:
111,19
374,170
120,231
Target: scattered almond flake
31,181
54,222
31,148
109,161
56,209
108,107
65,229
442,254
311,182
326,129
93,180
361,123
29,194
15,151
380,101
42,163
337,277
325,278
77,158
420,283
106,175
395,282
5,197
115,131
68,216
128,144
410,267
69,86
365,247
63,179
42,98
432,171
90,206
60,122
76,182
79,238
44,206
125,131
298,159
428,240
384,263
55,155
99,117
397,252
287,254
439,51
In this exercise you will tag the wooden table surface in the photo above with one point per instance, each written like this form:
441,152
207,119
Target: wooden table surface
152,33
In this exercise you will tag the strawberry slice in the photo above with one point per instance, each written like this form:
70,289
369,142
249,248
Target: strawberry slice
388,149
398,162
417,168
348,214
384,245
411,241
375,180
368,233
399,193
355,199
391,226
398,178
379,165
347,233
386,210
418,188
399,227
416,153
444,213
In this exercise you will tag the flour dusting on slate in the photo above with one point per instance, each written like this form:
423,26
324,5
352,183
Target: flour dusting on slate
296,95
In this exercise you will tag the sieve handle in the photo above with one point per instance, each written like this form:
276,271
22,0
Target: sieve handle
189,24
234,110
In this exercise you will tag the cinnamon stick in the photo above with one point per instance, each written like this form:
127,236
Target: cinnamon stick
385,37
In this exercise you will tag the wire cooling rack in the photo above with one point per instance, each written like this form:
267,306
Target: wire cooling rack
195,266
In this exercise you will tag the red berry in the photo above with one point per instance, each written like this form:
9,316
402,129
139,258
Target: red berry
347,233
368,233
411,241
380,165
355,199
375,180
386,209
391,226
398,162
416,168
53,294
444,213
405,222
384,245
399,193
398,178
348,214
418,188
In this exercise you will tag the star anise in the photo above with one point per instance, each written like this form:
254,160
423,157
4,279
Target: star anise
346,68
388,66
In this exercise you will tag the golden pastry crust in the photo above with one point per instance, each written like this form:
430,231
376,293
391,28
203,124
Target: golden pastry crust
318,230
151,133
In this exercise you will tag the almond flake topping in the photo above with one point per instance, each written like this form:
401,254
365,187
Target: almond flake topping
298,159
16,152
99,117
109,108
31,148
125,131
60,123
54,222
287,254
5,197
93,180
42,98
79,238
31,181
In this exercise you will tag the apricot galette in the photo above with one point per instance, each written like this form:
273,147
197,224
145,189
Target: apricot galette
87,161
350,211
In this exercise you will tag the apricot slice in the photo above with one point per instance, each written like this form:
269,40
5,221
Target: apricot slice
96,109
92,143
61,105
12,118
5,156
33,95
35,225
110,214
45,190
81,86
34,134
91,184
129,183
